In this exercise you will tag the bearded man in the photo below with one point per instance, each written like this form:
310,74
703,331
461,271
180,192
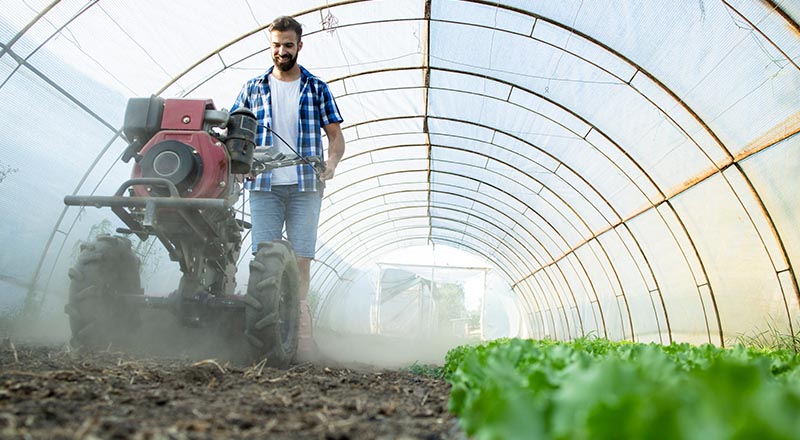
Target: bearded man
292,107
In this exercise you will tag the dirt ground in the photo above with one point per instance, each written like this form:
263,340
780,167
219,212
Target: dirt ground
49,391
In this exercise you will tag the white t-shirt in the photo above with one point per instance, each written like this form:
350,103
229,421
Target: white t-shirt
285,114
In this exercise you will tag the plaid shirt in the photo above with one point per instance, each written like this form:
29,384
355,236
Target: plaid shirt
317,109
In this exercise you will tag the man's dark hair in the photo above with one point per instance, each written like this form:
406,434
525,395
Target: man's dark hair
285,23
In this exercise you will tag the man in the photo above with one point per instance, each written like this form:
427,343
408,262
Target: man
291,106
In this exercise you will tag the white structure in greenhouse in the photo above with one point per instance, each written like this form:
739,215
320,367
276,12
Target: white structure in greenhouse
627,169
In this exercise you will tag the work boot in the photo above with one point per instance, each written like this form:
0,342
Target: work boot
307,350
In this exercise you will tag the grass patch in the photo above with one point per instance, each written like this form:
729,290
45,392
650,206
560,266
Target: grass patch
771,339
427,370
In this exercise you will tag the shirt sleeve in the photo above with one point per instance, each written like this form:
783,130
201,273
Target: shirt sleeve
243,100
328,110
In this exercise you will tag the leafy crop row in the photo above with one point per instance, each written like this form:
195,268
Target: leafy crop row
596,389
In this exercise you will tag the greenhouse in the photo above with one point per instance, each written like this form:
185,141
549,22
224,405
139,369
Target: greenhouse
627,170
616,169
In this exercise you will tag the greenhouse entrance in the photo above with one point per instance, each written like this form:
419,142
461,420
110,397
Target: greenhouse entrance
430,301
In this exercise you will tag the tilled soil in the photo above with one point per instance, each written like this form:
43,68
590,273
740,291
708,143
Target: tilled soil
48,391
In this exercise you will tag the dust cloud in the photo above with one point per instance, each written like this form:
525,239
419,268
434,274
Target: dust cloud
48,328
45,324
384,351
161,334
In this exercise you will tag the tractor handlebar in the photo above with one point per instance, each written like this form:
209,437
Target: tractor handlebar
267,161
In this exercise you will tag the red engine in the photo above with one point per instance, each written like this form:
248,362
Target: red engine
189,143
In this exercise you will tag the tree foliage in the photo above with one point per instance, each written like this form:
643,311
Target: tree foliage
449,298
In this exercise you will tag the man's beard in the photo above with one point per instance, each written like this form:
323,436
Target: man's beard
284,64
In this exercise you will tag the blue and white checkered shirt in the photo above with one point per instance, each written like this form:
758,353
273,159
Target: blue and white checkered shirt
317,109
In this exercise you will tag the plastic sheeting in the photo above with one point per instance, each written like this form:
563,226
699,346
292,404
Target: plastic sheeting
405,305
627,167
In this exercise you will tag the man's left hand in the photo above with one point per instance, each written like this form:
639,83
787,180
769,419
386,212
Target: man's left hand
328,172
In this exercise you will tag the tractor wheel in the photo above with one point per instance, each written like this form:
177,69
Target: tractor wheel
272,307
98,317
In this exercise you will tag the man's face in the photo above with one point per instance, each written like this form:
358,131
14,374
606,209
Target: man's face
285,47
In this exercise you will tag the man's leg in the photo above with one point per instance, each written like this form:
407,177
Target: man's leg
304,264
302,220
306,347
268,213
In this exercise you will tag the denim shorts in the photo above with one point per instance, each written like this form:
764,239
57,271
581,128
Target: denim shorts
286,206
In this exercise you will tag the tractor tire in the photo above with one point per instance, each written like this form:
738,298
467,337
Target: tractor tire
98,317
272,304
